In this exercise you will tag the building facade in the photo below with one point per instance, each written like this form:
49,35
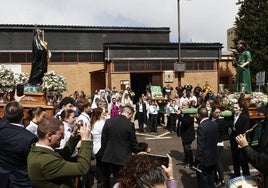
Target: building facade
97,57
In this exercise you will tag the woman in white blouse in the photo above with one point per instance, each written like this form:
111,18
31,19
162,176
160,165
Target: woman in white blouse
37,115
97,123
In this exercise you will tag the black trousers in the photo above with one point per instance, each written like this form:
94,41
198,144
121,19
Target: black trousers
206,178
141,121
238,160
109,169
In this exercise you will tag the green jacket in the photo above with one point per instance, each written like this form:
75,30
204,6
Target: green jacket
48,169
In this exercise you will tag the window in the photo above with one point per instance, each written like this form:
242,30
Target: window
168,65
4,57
18,57
153,65
70,57
209,65
189,65
56,57
136,66
97,57
84,57
121,66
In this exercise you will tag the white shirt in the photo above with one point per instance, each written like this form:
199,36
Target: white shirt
85,118
96,135
44,146
32,127
193,98
68,129
67,134
173,108
153,109
182,99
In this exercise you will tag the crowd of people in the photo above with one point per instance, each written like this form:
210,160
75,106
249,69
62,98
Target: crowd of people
58,151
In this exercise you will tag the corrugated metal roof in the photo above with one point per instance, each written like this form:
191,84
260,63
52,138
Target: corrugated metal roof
86,28
19,36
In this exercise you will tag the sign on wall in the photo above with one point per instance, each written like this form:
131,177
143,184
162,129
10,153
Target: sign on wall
169,76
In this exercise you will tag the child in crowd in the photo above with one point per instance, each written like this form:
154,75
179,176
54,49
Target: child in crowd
143,147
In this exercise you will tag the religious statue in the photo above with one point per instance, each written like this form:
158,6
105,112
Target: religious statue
241,62
40,58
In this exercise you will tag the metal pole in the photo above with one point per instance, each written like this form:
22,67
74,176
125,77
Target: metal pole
179,34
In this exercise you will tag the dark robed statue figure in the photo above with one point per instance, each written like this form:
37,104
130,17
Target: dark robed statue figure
40,56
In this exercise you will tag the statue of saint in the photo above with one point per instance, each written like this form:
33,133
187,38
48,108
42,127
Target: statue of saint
241,62
40,57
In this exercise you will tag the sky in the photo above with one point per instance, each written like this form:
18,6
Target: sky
200,20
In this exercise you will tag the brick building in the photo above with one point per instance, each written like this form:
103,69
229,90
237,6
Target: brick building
95,57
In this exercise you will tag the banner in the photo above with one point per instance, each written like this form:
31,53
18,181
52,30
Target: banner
156,92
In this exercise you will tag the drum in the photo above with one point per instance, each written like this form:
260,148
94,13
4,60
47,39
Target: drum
245,182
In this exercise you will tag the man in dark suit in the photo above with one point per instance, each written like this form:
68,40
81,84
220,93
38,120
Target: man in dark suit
186,126
241,123
15,144
206,152
188,89
141,114
118,141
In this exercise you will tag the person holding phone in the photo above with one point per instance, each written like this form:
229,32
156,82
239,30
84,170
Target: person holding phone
48,166
144,171
257,157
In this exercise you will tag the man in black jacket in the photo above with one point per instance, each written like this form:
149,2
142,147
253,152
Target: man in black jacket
141,114
15,144
118,141
186,126
206,152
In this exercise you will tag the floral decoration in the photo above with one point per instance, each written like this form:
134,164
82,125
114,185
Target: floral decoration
257,99
52,82
21,78
7,81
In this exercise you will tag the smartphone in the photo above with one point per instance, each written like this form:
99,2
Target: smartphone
162,159
20,90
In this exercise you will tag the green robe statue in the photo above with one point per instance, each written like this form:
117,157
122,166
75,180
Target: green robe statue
243,73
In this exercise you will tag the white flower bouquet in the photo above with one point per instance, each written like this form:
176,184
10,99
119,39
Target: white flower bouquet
7,81
52,82
21,78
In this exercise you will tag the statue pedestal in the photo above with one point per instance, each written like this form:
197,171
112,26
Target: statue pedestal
32,100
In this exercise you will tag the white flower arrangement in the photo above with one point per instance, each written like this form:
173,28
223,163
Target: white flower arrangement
7,81
258,99
52,82
21,78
